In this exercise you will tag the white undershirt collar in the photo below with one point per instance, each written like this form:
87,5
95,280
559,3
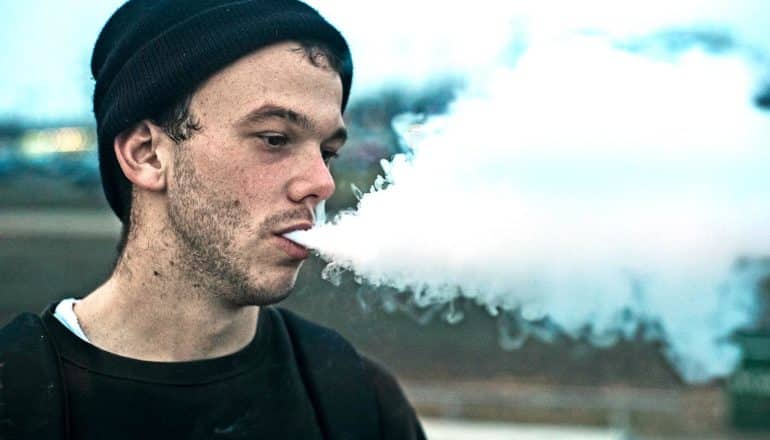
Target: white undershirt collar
65,313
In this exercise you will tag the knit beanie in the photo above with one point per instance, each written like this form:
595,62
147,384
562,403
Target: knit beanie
152,53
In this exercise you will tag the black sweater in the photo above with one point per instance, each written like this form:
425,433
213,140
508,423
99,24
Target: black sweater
255,393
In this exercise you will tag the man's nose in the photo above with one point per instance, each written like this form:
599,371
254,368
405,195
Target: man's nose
313,180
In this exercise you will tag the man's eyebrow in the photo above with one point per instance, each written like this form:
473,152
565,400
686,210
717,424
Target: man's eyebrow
270,111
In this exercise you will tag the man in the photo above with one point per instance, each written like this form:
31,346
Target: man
216,122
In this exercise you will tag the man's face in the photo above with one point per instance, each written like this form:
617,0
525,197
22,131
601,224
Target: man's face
257,167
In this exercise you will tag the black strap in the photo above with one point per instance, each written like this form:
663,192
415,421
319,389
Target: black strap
334,377
32,399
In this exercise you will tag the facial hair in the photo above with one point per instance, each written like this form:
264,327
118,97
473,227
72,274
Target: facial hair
206,225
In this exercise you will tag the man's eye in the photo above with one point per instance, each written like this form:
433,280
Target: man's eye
328,155
275,140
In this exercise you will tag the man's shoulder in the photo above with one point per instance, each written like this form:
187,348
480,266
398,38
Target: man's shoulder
398,419
334,377
300,327
319,348
342,376
30,385
22,330
300,320
329,342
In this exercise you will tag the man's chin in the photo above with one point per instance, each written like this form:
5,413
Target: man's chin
274,297
260,297
265,283
266,294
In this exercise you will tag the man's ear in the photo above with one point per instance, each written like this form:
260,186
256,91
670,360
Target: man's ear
142,152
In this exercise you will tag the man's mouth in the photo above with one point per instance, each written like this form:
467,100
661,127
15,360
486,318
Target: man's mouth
293,249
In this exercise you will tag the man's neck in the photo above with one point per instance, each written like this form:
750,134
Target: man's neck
159,314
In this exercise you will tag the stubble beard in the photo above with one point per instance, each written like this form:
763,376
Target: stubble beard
206,225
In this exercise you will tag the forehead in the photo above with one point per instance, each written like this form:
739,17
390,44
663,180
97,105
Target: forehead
280,74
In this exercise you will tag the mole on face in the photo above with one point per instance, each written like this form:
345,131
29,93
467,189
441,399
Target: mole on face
156,273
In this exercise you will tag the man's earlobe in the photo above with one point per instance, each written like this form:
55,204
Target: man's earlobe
141,155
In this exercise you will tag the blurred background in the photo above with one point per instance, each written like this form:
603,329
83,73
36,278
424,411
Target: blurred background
58,237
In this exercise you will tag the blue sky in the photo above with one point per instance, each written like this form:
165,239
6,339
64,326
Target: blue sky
46,44
44,72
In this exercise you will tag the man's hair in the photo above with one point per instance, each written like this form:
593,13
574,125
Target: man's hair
180,124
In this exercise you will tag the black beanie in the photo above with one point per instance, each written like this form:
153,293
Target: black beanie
151,53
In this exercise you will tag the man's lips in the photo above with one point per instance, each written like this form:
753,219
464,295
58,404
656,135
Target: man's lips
304,226
292,249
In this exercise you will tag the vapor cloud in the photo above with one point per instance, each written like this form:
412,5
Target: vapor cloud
598,183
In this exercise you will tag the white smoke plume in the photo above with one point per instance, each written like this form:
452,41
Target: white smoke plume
598,184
